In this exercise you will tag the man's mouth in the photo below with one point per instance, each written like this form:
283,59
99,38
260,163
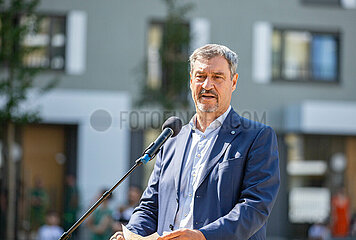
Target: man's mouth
207,96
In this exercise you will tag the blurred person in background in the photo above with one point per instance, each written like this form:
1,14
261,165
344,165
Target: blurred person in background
51,230
71,202
123,213
39,203
353,225
319,231
340,213
100,222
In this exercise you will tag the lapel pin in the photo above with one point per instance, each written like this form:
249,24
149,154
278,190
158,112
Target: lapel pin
232,132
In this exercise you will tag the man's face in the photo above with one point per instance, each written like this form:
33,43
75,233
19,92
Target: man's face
211,85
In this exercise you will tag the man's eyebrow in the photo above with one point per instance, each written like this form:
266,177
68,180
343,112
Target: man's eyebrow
219,73
215,73
199,72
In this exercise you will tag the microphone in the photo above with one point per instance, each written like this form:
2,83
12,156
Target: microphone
170,128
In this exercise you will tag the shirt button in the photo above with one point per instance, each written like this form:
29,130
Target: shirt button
190,195
198,155
185,215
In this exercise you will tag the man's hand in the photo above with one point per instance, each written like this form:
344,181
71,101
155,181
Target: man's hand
117,236
184,234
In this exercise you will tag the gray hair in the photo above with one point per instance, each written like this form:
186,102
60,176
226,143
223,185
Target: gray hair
213,50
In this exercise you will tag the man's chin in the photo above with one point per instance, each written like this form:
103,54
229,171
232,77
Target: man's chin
207,108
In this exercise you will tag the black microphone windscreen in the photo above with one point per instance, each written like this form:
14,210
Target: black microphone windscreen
173,123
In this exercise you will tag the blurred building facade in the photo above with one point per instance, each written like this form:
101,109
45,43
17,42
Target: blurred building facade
296,73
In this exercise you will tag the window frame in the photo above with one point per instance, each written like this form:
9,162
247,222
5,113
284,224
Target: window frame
50,51
313,31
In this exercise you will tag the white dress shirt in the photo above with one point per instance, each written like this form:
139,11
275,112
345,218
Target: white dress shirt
198,151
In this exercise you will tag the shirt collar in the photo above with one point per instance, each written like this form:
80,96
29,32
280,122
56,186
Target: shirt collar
214,125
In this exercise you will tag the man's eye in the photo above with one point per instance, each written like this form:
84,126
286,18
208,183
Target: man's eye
200,76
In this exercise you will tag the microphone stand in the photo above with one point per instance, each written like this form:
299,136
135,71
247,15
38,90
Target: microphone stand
148,155
67,235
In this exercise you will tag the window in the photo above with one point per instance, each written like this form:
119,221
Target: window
167,62
47,44
167,50
154,68
302,55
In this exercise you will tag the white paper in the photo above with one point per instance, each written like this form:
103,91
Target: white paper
128,235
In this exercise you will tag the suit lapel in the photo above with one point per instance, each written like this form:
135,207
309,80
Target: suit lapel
226,135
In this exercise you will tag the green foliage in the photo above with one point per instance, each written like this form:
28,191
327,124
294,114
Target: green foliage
173,52
15,78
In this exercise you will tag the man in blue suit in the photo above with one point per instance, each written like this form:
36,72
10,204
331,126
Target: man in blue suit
219,177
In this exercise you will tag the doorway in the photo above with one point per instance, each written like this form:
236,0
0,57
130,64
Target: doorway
49,155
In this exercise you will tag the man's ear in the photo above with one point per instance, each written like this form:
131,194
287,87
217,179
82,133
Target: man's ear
234,81
191,82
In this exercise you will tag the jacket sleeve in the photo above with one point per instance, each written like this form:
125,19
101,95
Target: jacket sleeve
259,191
144,218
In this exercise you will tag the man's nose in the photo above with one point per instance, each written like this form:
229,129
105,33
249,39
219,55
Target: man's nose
208,83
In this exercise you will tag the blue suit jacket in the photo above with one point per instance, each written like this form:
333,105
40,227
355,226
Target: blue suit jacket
237,191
